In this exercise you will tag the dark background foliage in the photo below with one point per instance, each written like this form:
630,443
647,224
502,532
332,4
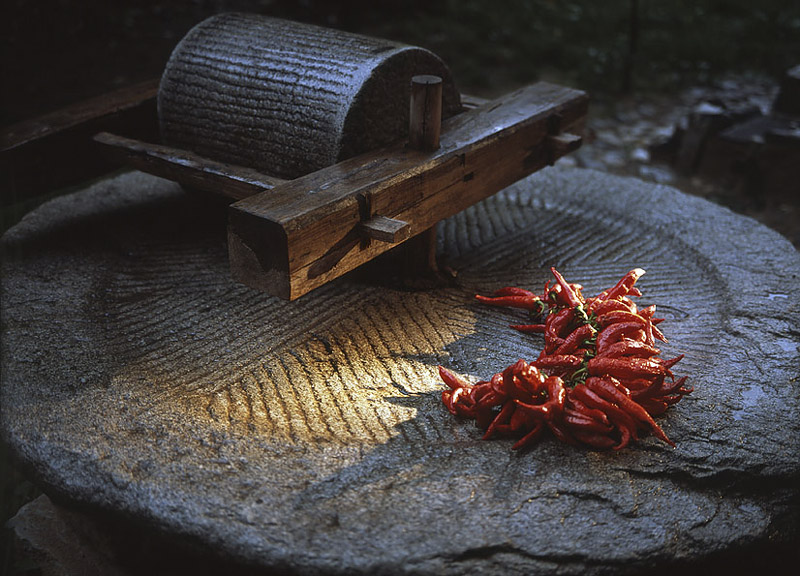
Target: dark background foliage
58,51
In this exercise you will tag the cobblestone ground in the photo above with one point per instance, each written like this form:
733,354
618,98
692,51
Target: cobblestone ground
623,137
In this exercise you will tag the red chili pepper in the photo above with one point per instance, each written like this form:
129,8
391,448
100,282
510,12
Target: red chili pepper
556,392
610,390
600,307
647,312
625,285
536,381
654,407
577,406
614,413
513,301
530,437
598,379
661,388
502,419
628,368
577,420
484,416
622,420
657,333
453,381
671,362
556,326
560,361
528,328
554,403
459,403
637,385
617,316
568,295
576,338
486,395
616,332
514,291
600,441
626,434
628,348
559,429
521,421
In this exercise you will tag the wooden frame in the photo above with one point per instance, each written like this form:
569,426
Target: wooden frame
289,237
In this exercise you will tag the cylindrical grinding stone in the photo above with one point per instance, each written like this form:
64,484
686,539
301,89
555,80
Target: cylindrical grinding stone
288,98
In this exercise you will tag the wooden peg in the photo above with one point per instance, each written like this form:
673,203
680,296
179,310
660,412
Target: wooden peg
385,229
559,145
425,117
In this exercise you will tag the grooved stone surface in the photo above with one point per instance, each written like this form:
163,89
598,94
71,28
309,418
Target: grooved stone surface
310,437
288,98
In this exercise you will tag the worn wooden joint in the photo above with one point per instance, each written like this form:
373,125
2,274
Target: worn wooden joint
385,229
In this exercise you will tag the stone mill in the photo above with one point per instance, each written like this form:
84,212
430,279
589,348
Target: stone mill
248,386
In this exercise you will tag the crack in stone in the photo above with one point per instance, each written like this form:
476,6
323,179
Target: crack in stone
730,480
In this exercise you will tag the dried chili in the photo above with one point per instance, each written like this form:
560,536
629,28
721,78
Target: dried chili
598,381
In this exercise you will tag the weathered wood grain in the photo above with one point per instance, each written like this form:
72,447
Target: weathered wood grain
386,229
425,114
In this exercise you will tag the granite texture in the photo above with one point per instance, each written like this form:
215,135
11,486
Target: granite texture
288,98
309,437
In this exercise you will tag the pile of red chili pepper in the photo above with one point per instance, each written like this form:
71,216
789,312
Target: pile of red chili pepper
598,381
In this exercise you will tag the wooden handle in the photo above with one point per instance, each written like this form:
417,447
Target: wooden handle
192,170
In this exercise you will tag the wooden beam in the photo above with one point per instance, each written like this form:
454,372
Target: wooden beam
56,150
306,232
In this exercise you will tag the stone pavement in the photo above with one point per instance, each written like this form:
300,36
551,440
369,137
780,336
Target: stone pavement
635,136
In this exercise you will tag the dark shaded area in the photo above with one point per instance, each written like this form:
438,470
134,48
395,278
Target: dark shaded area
140,550
59,51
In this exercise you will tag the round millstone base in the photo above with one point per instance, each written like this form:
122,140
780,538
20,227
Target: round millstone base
309,436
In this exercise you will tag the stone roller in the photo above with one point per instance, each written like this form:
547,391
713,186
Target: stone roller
287,98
